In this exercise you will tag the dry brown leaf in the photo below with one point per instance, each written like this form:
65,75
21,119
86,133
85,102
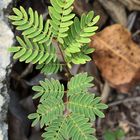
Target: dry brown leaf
116,10
82,6
131,4
125,126
117,57
99,10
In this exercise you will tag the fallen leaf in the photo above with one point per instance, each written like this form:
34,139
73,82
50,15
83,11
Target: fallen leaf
81,6
99,10
125,126
131,4
116,10
117,57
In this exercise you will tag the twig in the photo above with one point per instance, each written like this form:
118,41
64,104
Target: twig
105,92
133,138
124,101
131,20
69,76
136,33
26,71
133,125
104,97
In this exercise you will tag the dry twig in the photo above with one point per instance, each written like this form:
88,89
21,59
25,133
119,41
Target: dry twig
131,99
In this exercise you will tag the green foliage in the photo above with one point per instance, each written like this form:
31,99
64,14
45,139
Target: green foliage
65,114
47,111
86,104
118,134
81,57
70,119
49,88
72,35
79,83
32,25
57,130
50,67
80,31
37,53
79,128
61,16
78,35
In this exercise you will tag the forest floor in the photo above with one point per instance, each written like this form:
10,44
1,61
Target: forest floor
124,108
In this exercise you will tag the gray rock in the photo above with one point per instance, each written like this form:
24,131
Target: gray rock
3,131
4,3
6,40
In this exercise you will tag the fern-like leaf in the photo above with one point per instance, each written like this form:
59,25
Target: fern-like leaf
61,16
49,110
84,104
35,117
70,119
29,51
49,88
79,128
79,33
31,24
80,83
80,57
57,130
50,67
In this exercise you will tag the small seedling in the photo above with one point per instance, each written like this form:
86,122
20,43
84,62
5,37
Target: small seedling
69,119
118,134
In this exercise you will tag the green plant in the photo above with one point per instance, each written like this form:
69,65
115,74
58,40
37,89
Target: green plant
70,118
118,134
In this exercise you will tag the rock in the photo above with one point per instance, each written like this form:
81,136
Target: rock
1,102
116,10
4,3
3,131
6,40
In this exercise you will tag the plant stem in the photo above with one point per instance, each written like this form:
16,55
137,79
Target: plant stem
67,68
69,75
